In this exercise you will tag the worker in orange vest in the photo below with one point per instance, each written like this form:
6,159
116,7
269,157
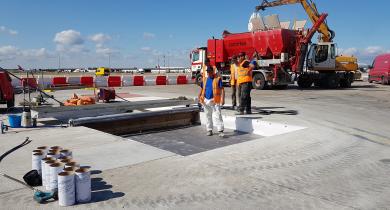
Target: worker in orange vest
244,80
212,97
207,65
233,81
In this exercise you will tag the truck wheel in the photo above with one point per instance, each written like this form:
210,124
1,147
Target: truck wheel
259,82
11,103
347,82
304,81
383,81
329,80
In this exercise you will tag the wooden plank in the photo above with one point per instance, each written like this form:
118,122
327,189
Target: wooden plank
64,113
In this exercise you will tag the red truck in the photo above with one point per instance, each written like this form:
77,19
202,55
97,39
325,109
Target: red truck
7,95
283,56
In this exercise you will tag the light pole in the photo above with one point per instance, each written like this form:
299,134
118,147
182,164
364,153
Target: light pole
109,60
59,61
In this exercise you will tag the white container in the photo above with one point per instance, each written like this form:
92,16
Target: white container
72,164
44,149
66,153
36,162
83,185
52,154
56,148
43,169
65,160
66,189
26,119
46,172
55,169
70,169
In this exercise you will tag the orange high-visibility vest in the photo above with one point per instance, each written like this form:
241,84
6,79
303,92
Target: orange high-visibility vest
217,91
244,74
233,73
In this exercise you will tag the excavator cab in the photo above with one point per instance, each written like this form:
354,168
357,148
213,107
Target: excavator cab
322,56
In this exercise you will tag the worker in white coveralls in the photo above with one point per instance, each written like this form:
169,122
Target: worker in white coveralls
212,97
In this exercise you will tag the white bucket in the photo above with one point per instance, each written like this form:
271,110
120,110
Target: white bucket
83,185
66,189
66,153
53,154
70,169
36,162
26,119
44,149
43,168
55,169
72,164
65,160
46,172
57,148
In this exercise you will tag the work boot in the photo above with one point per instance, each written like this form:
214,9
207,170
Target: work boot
240,113
221,134
209,133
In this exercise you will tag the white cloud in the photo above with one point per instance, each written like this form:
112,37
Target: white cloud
8,31
8,50
69,37
148,35
70,41
146,49
373,50
100,38
349,51
365,55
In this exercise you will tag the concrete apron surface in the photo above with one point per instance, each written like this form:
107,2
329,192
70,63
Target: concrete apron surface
294,168
252,124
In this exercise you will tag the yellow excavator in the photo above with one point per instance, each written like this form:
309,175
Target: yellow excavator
326,69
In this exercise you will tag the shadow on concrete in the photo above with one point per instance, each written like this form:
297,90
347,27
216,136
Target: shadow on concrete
101,190
268,111
94,172
105,195
98,184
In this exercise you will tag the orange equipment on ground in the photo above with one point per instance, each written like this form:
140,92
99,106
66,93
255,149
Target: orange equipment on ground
79,101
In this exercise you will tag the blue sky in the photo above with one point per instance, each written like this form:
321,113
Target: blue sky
139,33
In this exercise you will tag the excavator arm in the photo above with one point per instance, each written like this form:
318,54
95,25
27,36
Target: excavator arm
311,10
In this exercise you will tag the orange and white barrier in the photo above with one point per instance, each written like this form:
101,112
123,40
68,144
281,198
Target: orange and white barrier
138,81
114,81
59,81
107,81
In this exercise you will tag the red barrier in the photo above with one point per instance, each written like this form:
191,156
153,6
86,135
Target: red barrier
114,81
181,80
138,81
32,82
58,81
161,80
86,81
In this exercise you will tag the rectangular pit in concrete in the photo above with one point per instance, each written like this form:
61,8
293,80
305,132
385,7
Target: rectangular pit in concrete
191,140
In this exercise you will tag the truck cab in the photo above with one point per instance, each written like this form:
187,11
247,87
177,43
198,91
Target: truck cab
326,68
198,57
7,95
103,71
